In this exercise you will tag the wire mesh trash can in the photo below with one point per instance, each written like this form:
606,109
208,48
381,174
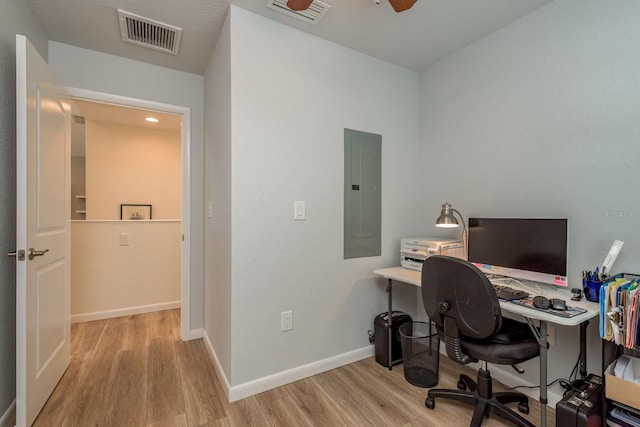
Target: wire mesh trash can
420,353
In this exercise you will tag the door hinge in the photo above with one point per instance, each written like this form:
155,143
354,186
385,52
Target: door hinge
18,254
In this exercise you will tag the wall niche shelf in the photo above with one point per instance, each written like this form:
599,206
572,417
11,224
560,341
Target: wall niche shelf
82,199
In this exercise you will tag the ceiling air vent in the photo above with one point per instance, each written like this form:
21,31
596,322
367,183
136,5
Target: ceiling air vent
146,32
311,16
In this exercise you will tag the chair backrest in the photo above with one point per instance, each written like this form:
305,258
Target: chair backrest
460,300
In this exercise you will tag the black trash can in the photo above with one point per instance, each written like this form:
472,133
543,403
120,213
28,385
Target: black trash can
420,353
381,326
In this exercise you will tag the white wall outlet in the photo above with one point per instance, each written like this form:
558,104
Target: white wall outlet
286,321
551,335
210,210
299,211
124,239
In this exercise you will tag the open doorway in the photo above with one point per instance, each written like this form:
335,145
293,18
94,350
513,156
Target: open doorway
168,231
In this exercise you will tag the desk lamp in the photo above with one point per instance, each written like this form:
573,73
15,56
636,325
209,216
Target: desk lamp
448,220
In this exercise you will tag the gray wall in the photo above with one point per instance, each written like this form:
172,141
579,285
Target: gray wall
542,119
281,125
217,131
15,18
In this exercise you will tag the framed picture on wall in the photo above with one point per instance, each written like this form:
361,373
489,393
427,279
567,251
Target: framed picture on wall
135,212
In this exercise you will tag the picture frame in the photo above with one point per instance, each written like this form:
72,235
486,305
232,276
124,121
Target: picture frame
135,212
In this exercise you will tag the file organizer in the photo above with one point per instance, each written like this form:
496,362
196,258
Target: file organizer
619,298
620,325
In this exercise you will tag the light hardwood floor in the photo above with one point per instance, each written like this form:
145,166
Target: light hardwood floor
135,371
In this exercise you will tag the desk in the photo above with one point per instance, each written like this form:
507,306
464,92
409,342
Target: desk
413,277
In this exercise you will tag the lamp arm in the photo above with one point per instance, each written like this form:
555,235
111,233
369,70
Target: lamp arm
465,234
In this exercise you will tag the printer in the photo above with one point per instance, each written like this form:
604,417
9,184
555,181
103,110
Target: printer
414,250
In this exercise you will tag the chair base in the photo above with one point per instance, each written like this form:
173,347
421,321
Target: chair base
485,401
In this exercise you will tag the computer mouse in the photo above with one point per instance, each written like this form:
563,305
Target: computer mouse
558,304
541,302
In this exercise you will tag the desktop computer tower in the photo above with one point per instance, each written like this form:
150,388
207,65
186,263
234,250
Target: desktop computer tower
381,329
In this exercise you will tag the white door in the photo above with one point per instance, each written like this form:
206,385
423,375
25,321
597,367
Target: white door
43,232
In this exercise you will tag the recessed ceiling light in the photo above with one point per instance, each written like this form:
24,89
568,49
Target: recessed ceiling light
152,119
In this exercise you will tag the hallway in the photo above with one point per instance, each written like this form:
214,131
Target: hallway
135,371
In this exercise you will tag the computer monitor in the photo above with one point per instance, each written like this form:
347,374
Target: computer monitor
523,248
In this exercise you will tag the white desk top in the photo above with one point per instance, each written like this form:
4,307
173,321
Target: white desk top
413,277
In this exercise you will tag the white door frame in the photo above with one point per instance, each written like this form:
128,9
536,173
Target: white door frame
185,112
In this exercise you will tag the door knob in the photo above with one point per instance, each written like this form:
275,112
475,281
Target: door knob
33,253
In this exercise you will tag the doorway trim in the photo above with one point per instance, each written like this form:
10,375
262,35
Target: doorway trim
185,262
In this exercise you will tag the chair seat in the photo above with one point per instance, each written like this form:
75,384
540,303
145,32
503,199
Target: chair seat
514,343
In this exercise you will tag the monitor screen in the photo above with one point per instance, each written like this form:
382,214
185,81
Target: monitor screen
524,248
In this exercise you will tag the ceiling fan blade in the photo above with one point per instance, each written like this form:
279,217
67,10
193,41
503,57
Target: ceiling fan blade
299,5
400,5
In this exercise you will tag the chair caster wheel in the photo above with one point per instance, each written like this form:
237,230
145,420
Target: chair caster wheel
430,403
523,407
462,385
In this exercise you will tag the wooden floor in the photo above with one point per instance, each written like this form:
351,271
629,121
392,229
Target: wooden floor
135,371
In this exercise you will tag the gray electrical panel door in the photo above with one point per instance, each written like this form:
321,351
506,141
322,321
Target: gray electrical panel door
362,198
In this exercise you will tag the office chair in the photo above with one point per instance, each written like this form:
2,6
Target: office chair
463,305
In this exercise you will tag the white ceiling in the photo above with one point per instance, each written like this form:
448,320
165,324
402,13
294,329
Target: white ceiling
415,39
129,116
115,114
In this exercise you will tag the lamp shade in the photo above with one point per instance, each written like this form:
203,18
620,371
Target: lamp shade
446,218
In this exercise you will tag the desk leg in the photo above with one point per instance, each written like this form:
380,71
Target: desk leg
541,336
389,331
583,349
543,373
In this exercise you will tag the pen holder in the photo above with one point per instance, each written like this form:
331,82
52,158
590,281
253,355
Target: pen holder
591,288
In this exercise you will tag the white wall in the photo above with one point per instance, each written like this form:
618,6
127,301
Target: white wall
291,97
218,192
95,71
128,164
542,119
15,18
147,271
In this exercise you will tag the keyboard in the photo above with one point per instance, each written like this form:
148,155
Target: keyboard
509,294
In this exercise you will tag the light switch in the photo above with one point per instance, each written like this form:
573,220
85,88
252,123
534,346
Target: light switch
299,211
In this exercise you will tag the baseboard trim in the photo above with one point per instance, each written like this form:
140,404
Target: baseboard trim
250,388
195,334
99,315
269,382
8,419
512,379
216,363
